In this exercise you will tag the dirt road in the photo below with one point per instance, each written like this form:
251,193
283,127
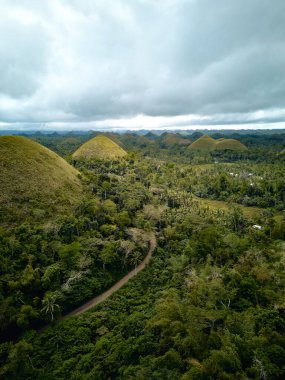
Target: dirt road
95,301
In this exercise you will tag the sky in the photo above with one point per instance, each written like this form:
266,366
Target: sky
142,64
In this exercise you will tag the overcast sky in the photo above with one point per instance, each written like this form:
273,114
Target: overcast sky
142,63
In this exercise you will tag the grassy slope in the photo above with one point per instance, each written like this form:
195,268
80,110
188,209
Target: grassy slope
207,143
32,176
175,138
100,147
230,144
114,137
200,168
249,212
203,143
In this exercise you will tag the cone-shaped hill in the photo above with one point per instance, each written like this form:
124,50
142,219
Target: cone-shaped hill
208,144
34,181
114,137
173,139
205,143
100,148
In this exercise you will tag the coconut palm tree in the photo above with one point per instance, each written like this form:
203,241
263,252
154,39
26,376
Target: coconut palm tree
50,305
136,258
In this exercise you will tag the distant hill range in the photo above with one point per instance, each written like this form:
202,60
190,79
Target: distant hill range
34,181
100,148
207,144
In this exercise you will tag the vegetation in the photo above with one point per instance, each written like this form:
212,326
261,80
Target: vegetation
100,147
262,147
35,182
247,184
210,304
46,268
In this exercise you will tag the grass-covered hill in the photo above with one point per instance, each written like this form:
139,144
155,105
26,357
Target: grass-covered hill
229,144
208,144
112,136
100,148
174,138
205,143
34,181
133,141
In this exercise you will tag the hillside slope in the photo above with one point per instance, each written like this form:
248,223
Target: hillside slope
34,181
100,148
174,138
205,143
229,144
208,144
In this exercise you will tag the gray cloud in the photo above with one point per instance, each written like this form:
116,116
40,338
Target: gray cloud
23,56
80,61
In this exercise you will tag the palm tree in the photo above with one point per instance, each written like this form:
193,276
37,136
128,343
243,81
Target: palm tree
19,297
136,258
49,305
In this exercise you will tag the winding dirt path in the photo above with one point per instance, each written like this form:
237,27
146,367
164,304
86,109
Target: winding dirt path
95,301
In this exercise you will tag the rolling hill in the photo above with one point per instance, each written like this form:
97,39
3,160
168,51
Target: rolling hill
34,181
100,148
205,143
229,144
174,139
208,144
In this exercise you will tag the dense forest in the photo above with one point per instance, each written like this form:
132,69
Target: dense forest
210,304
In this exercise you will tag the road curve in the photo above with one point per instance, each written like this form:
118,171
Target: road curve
96,300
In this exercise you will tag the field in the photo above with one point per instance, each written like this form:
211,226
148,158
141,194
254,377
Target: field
249,212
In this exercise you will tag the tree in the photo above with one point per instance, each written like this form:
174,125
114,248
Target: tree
49,304
136,258
18,362
236,220
109,254
204,243
106,186
110,207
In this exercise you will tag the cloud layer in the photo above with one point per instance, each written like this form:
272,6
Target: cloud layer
126,62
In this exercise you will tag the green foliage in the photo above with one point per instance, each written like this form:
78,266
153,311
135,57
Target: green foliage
48,268
210,305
